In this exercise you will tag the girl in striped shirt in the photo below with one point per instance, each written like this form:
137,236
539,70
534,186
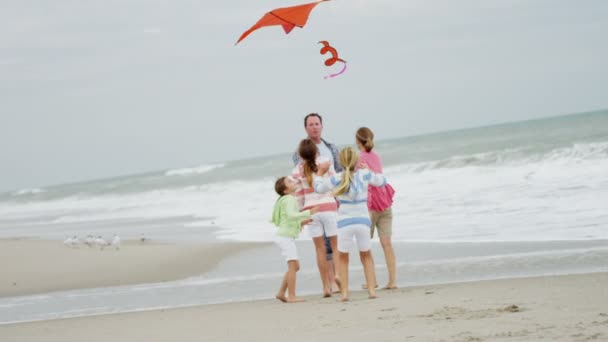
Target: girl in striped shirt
350,186
324,222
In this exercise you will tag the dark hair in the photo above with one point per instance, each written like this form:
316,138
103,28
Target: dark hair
280,186
308,153
312,115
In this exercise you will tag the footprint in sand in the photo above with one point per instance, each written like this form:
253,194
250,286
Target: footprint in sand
466,336
389,317
510,308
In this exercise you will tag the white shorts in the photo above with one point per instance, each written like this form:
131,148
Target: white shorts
287,246
360,232
323,222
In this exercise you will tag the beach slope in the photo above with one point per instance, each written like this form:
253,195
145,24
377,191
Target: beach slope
38,266
562,308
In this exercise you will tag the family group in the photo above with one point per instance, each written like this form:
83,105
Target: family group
339,197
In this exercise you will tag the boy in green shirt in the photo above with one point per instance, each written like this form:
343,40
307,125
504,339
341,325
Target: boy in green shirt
289,219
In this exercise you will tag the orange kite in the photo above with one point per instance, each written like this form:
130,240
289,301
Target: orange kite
288,17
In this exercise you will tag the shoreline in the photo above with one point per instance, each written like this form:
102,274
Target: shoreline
171,275
565,307
48,266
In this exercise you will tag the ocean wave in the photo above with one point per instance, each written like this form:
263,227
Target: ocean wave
516,156
193,170
580,151
28,191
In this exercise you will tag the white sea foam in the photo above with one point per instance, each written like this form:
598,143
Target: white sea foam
578,152
193,170
560,196
32,191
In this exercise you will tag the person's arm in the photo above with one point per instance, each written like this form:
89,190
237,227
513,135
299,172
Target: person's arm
331,171
375,179
295,174
293,213
326,184
323,168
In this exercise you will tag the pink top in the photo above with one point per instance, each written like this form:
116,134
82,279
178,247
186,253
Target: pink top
378,199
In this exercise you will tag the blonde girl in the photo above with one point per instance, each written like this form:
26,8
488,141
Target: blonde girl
350,187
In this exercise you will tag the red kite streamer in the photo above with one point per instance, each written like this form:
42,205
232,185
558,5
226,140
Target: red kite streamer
334,58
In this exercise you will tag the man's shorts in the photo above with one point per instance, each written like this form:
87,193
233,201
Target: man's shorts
383,221
287,246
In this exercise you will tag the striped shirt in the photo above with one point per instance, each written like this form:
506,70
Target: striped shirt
307,197
353,203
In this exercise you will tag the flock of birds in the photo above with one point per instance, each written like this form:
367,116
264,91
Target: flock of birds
98,242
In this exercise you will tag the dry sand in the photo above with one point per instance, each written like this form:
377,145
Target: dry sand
46,266
562,308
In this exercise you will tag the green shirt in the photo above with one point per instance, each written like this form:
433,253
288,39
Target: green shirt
287,217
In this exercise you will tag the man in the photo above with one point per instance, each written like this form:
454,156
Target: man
313,124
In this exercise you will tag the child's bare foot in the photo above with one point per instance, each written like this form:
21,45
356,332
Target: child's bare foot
336,286
390,287
282,298
344,299
364,286
372,296
295,300
326,294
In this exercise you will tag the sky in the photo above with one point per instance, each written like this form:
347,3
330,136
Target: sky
92,89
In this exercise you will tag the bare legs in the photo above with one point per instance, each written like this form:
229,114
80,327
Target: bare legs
331,275
389,256
368,270
319,243
333,266
289,284
343,275
384,221
327,269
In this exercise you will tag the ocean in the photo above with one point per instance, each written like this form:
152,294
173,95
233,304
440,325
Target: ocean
516,199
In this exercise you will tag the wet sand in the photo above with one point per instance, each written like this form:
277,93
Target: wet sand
47,266
558,308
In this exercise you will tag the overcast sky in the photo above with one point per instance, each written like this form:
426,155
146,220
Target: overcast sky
91,89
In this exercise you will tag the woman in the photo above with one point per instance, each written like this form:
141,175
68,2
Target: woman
379,202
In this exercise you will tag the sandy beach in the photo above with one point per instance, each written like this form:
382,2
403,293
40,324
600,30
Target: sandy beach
562,308
47,266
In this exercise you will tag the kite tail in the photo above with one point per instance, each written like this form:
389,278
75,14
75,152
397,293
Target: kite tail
338,73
